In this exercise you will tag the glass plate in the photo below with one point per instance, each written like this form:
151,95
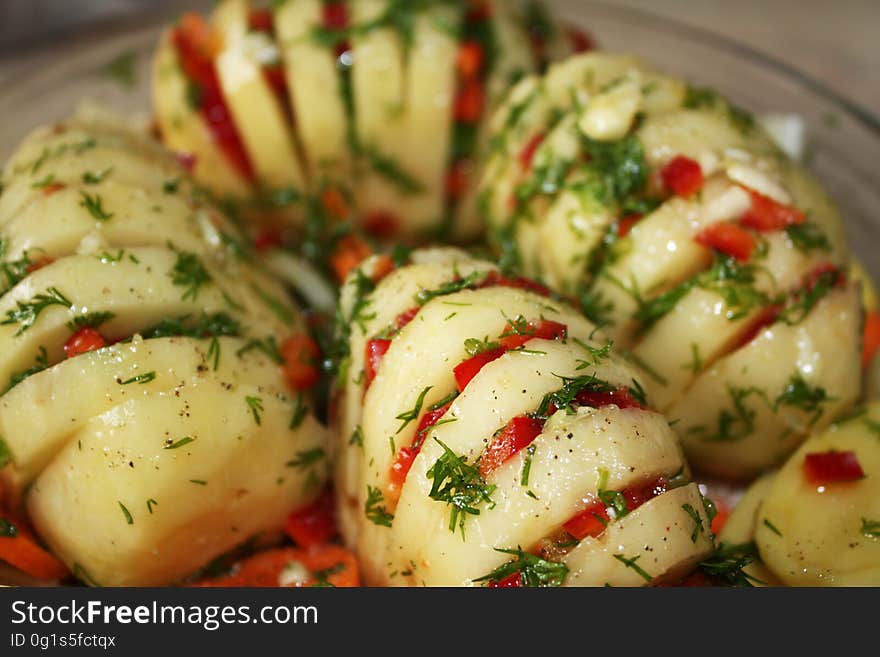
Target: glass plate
46,83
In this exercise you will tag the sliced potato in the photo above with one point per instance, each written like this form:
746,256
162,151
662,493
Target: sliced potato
749,410
183,130
810,534
148,513
258,113
38,416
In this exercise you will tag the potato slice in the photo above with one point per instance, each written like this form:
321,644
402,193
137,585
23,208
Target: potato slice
657,543
315,89
632,446
57,225
257,111
429,89
183,130
139,291
821,535
66,158
121,508
39,415
733,423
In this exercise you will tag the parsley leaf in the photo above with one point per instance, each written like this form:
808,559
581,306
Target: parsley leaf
533,571
95,206
375,510
188,272
460,485
412,414
25,313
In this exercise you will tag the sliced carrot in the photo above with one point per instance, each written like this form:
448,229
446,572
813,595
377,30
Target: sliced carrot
350,252
871,338
23,552
320,564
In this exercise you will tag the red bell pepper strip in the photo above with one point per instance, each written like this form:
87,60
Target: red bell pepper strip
516,435
832,467
682,175
84,340
301,361
729,239
870,338
313,524
467,370
767,215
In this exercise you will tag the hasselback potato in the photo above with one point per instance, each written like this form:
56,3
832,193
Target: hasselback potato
487,434
147,421
384,100
713,259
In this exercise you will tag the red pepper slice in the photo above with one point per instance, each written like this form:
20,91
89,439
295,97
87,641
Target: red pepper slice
470,102
381,224
544,329
730,239
349,252
406,455
384,266
512,581
260,20
197,44
870,338
593,519
376,350
457,178
766,318
498,279
589,522
579,40
625,224
314,524
622,398
480,10
84,340
832,467
527,154
267,239
406,317
766,215
682,175
516,435
334,15
470,59
468,369
51,188
819,272
301,359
